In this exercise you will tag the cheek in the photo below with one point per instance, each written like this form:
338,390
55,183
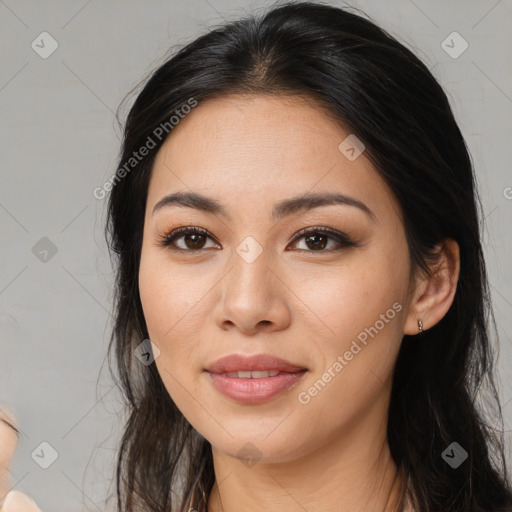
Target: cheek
169,295
356,368
352,297
168,312
171,303
357,332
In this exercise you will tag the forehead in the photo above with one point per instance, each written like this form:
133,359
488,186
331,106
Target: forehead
272,130
253,149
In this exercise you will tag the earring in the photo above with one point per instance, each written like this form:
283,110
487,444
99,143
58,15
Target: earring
420,326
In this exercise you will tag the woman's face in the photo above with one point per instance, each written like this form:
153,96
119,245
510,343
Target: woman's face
251,286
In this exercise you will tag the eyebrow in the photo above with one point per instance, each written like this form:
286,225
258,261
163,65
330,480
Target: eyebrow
282,209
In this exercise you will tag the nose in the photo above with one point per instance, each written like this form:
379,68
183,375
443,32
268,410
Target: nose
252,297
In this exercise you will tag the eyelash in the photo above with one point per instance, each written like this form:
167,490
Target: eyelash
341,238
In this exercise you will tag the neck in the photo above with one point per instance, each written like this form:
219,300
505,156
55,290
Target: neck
352,472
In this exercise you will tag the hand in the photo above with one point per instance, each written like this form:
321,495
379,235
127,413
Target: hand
14,500
8,443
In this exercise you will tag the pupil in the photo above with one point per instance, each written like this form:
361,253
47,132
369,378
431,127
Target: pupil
196,243
316,244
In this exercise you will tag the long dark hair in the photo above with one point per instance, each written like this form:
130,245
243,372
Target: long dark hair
443,387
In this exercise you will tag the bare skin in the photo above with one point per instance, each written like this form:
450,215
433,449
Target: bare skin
296,301
8,444
11,500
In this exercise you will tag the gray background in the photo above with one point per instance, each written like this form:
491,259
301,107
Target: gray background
60,141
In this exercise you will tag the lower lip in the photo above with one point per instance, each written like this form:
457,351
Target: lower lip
254,391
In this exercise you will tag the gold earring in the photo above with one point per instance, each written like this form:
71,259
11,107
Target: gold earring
420,325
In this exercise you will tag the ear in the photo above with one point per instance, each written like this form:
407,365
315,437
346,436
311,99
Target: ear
434,293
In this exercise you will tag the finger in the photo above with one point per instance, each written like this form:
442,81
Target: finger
16,501
11,501
8,443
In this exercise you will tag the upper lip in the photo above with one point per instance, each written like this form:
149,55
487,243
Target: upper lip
259,362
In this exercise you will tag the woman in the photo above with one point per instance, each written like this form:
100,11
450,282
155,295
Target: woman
301,300
295,222
296,229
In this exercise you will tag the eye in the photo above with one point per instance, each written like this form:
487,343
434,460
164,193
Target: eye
315,237
193,238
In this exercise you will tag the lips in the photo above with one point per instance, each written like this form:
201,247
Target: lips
257,363
254,379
